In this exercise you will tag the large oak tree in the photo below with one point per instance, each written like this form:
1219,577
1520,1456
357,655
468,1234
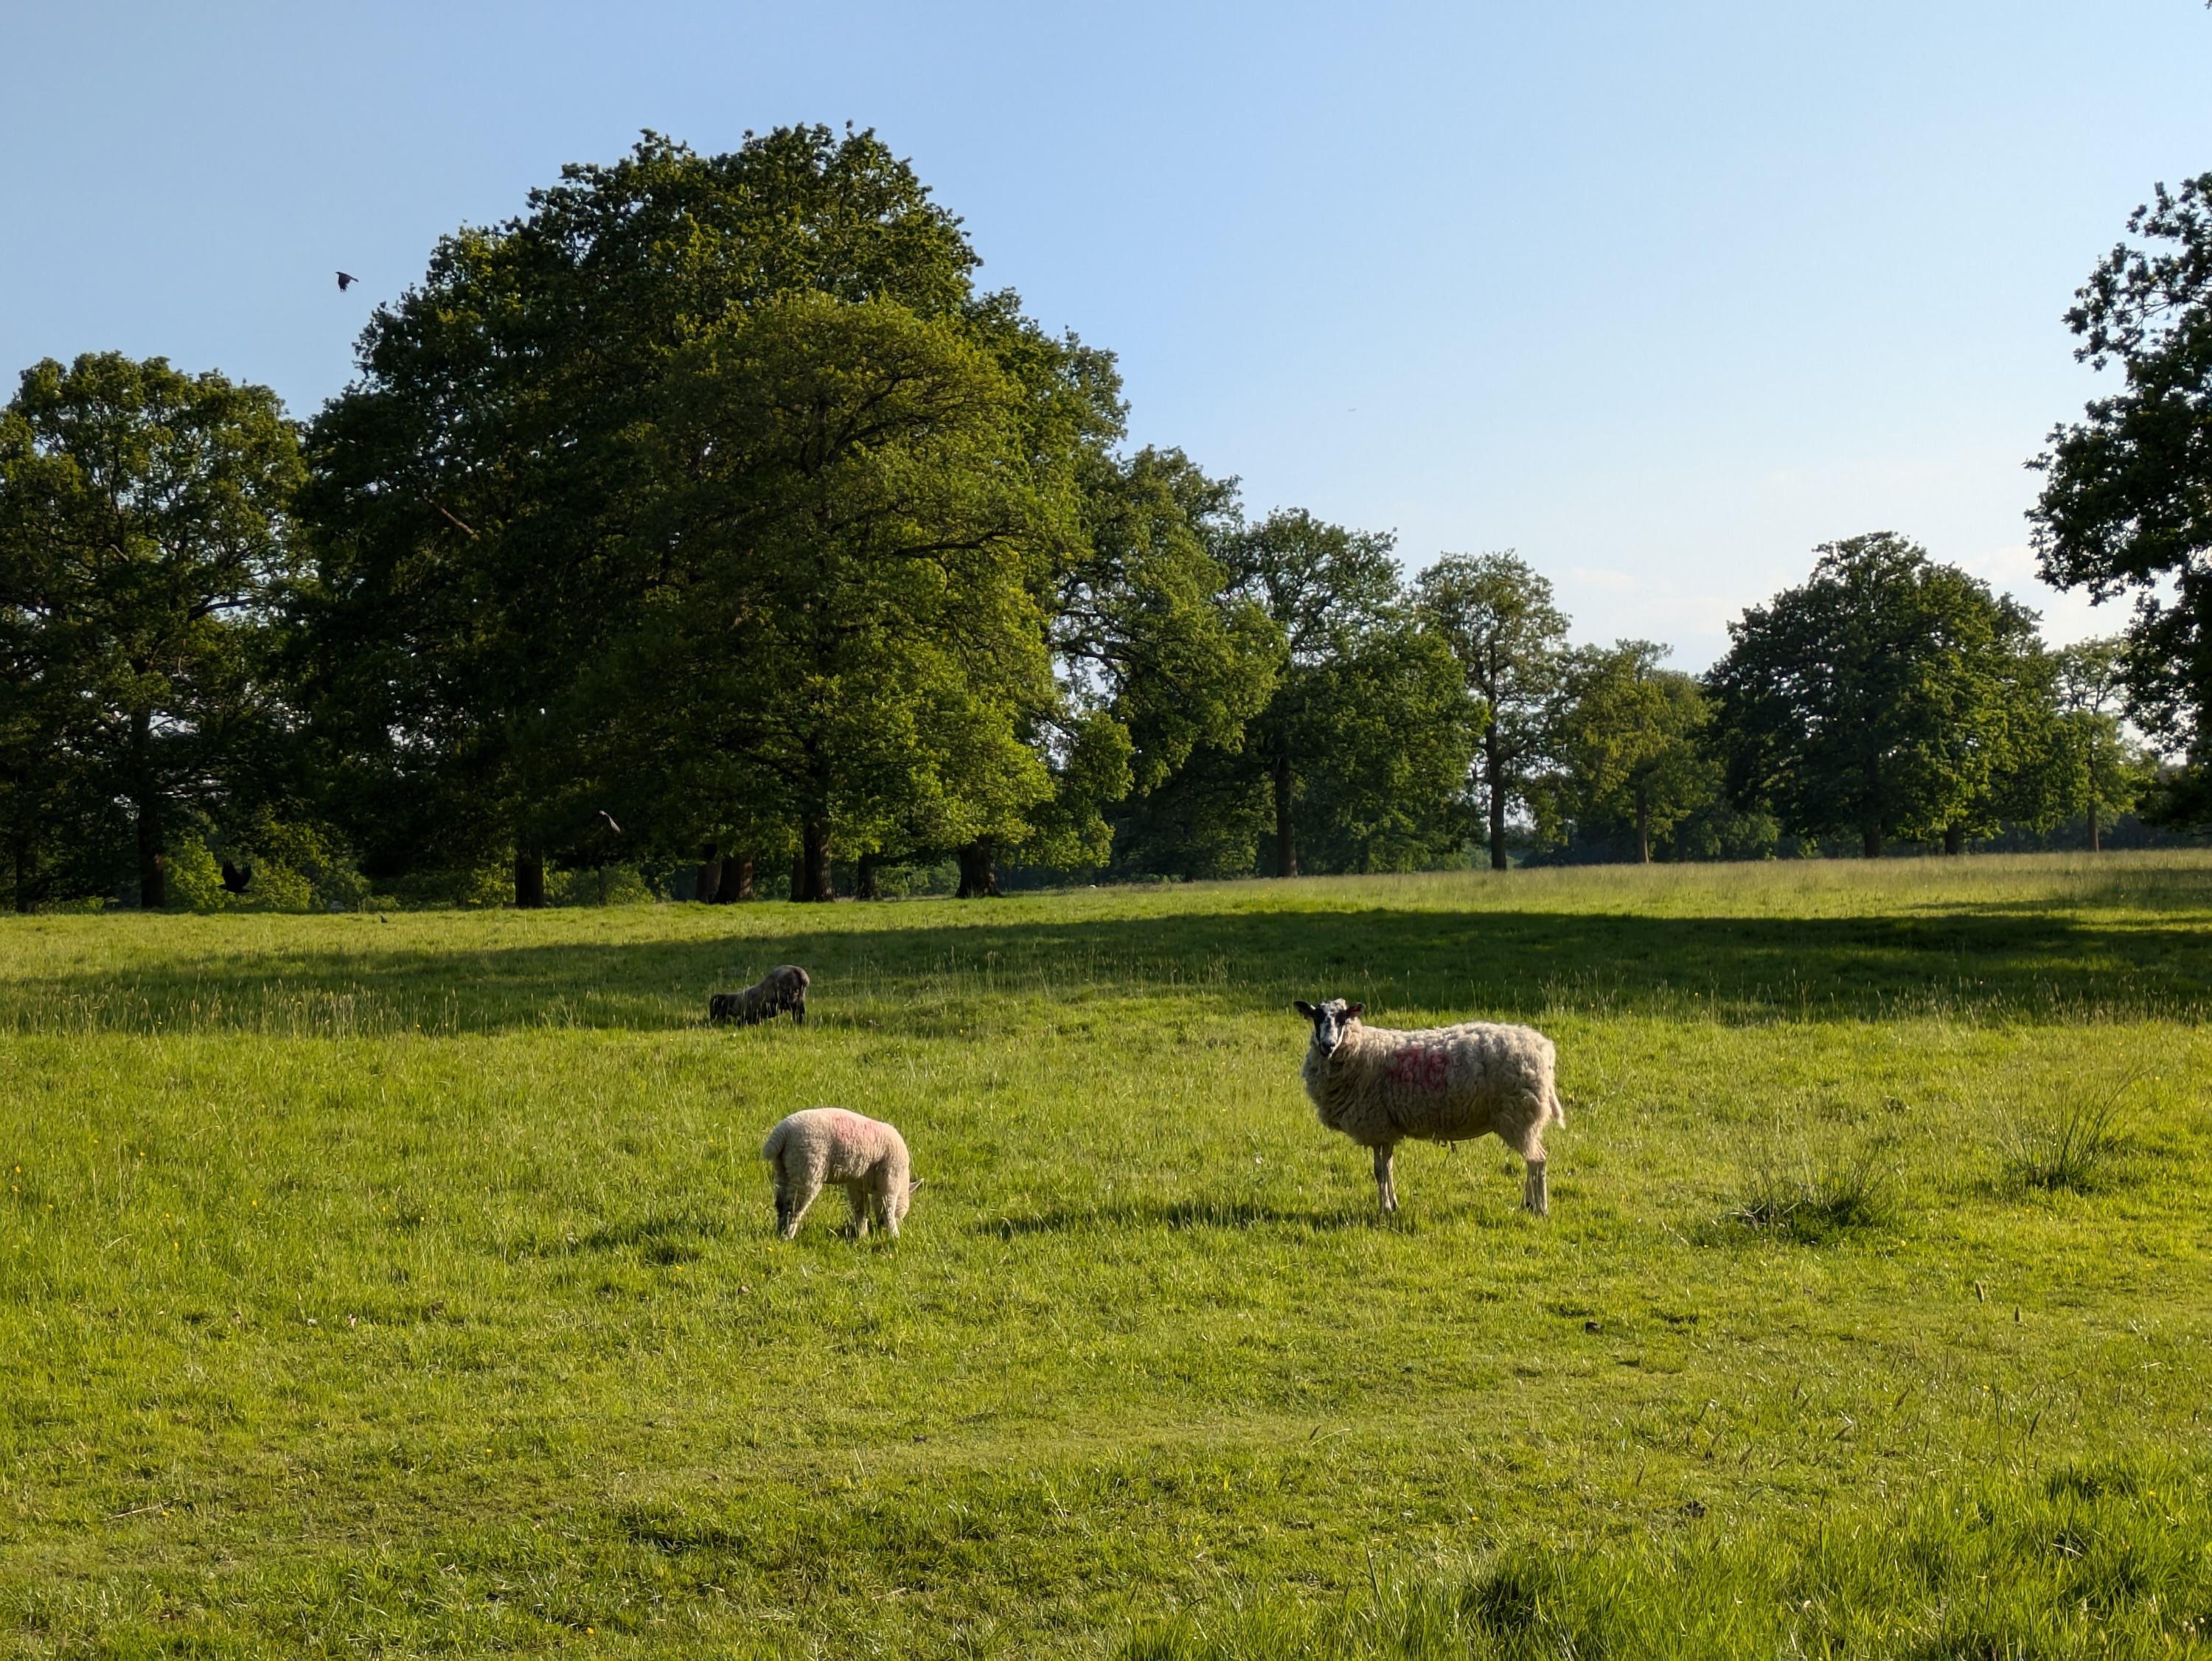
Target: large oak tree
141,539
485,505
1888,697
2126,507
1510,639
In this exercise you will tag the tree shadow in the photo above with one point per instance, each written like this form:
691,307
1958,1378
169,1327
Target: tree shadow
945,979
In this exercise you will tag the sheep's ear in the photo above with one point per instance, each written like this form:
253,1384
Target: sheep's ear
914,1184
1355,1009
1306,1009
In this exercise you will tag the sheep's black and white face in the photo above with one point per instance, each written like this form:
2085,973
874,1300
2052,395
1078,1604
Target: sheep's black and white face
1329,1019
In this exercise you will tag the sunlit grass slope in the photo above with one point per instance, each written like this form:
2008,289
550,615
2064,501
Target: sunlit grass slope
405,1286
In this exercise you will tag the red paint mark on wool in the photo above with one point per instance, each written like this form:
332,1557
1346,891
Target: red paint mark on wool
1416,1067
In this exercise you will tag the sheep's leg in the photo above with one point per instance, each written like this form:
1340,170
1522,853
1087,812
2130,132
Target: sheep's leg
1536,1192
799,1009
891,1216
1386,1191
856,1195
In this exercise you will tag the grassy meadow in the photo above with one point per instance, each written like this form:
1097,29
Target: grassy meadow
406,1286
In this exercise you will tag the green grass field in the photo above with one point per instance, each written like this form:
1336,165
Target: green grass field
408,1287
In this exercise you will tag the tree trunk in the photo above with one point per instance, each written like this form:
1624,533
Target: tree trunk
153,873
153,879
1644,824
1494,775
979,870
1954,839
1872,832
868,885
1286,829
25,899
814,859
2093,826
710,875
529,882
736,882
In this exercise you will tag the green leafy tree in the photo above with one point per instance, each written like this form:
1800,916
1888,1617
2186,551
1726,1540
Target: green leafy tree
49,801
486,500
1510,639
1884,698
1355,760
858,632
1152,630
2104,774
142,537
1390,733
1630,742
2126,505
1146,624
1326,588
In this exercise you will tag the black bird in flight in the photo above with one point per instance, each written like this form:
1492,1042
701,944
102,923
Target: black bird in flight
346,280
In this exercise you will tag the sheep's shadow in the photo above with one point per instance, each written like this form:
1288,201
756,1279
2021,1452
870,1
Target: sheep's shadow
661,1238
1179,1216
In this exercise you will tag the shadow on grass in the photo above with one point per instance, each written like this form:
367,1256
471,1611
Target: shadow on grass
1179,1216
660,1238
942,981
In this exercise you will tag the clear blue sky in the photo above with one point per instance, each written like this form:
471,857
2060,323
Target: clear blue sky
1660,294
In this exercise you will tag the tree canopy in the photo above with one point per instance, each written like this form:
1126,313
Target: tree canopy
489,505
1499,618
142,540
1882,699
1631,743
2126,507
709,510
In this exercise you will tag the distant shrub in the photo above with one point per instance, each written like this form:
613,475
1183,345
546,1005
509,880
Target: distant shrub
195,878
287,867
488,887
598,885
277,888
911,881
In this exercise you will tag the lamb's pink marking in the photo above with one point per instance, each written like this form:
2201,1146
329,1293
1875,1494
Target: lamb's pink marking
1416,1067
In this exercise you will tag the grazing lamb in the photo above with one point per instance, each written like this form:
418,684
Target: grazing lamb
865,1156
784,987
1443,1084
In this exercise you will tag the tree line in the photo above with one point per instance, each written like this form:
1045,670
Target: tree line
711,514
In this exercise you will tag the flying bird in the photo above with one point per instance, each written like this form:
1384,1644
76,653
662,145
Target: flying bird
610,818
346,280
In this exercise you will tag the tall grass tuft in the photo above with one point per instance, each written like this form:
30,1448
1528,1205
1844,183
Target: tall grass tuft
2072,1146
2103,1559
1812,1204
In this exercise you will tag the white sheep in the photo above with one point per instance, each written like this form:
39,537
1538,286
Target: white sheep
865,1156
784,987
1440,1084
